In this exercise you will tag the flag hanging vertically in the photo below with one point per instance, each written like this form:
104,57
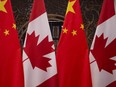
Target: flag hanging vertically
11,70
39,59
103,49
72,51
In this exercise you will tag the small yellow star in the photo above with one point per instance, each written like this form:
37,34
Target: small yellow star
82,26
70,7
65,30
2,8
14,26
74,32
6,32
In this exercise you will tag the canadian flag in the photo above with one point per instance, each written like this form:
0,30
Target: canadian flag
39,59
103,49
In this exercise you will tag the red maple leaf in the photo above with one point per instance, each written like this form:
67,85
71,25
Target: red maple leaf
36,52
104,54
113,84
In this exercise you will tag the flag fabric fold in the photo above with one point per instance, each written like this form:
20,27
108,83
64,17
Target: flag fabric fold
103,49
39,59
72,51
11,70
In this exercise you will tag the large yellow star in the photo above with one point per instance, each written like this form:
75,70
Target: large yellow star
2,8
65,30
74,32
6,32
70,7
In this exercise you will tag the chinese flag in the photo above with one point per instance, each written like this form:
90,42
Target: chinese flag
72,50
103,49
11,70
39,59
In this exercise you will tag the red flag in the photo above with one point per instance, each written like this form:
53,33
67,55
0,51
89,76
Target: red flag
72,51
11,71
39,56
103,49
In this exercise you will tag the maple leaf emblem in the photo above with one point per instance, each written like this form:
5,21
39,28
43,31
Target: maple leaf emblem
113,84
36,52
104,54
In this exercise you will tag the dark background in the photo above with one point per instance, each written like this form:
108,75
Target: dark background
56,11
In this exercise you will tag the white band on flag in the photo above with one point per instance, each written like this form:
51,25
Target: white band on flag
115,6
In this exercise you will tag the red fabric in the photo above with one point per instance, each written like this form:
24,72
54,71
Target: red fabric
41,56
72,52
104,15
11,72
37,12
51,82
102,52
